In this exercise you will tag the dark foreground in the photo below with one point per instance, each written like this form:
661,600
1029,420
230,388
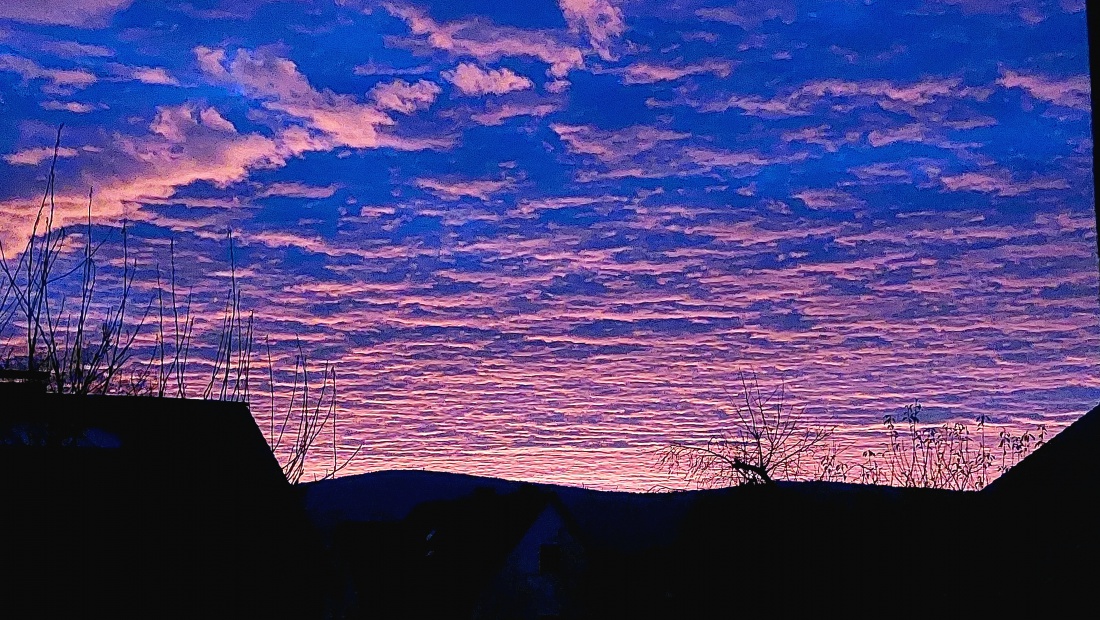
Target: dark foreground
137,507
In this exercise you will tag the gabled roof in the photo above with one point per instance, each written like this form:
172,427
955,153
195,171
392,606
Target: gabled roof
1068,465
174,441
149,507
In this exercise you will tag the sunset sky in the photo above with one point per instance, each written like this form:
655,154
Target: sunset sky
539,239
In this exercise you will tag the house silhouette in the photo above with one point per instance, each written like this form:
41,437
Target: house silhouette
146,507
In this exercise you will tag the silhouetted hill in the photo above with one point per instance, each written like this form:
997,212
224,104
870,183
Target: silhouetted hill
1025,546
614,517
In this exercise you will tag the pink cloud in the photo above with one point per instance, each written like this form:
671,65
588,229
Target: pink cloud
1072,92
76,107
888,172
1000,183
473,80
211,61
145,75
176,123
827,199
749,14
37,155
711,158
601,20
456,189
373,68
754,105
73,49
802,101
646,73
822,135
489,43
186,144
1030,11
152,75
61,81
211,152
917,93
611,146
79,13
557,86
495,115
914,132
339,119
213,119
294,189
400,96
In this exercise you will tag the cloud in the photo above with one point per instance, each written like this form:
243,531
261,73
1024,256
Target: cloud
708,159
211,61
186,144
213,119
913,132
750,14
828,199
497,114
76,107
466,188
400,96
373,68
613,146
487,42
646,73
295,189
1000,183
152,75
146,75
556,86
1030,11
61,81
341,119
803,100
473,80
37,155
601,20
1071,92
79,13
73,49
175,123
822,135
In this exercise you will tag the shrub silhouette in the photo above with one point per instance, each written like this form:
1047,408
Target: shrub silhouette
770,440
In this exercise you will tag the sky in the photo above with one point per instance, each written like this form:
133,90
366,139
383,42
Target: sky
540,240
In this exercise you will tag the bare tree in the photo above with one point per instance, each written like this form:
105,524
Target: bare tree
770,440
63,345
